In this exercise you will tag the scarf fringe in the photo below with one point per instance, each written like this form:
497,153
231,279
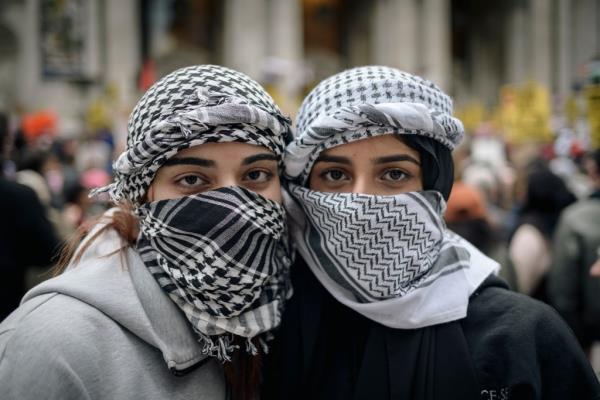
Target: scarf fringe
221,347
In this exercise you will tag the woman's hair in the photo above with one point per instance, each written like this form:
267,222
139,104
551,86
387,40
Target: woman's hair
123,221
437,166
243,373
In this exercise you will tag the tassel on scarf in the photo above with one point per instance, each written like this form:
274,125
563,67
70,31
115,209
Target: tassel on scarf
222,347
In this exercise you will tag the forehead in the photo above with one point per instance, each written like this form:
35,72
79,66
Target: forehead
373,147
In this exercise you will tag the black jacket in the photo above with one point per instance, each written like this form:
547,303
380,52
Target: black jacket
508,347
26,239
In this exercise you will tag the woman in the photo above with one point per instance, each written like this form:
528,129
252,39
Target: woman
164,313
387,302
530,249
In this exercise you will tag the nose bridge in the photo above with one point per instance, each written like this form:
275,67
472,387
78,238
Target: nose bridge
362,183
227,178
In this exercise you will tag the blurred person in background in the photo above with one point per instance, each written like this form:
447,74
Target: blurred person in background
80,210
76,208
35,169
173,293
27,238
574,285
467,215
545,196
482,176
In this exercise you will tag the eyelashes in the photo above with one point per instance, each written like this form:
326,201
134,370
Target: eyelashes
391,175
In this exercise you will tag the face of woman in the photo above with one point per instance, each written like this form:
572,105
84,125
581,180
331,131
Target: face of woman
211,166
381,165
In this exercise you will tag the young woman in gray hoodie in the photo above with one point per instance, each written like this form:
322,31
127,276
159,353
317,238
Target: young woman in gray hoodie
173,293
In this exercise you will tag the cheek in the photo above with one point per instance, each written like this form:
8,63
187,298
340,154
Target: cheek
316,183
416,184
161,190
313,182
272,191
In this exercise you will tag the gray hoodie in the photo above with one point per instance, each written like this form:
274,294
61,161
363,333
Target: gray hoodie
103,330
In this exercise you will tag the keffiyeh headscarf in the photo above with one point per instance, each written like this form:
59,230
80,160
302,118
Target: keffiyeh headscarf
389,258
222,256
365,102
189,107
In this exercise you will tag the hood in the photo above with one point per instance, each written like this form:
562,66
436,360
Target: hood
117,283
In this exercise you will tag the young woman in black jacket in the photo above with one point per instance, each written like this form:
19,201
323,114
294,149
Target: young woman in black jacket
388,303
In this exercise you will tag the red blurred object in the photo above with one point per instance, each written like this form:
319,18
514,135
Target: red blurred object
147,75
36,125
576,149
547,152
465,203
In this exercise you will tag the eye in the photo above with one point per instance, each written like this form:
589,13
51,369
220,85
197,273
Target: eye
191,181
333,175
259,176
394,175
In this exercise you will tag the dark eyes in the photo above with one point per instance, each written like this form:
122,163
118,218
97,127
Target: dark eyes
394,175
191,181
259,176
333,175
391,175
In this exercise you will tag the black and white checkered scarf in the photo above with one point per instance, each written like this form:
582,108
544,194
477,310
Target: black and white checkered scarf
221,256
389,258
365,102
189,107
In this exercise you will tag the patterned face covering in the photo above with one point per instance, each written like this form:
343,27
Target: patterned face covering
386,256
222,256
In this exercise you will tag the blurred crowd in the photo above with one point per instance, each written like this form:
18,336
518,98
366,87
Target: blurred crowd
534,208
44,186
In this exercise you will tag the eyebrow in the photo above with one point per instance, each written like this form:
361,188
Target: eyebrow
394,158
202,162
333,159
259,157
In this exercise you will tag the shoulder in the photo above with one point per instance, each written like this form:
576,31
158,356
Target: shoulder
50,323
582,207
516,340
47,344
496,309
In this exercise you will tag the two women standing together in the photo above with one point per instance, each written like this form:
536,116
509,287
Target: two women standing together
244,263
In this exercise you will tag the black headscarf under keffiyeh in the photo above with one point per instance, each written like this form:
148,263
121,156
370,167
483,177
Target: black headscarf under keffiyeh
437,165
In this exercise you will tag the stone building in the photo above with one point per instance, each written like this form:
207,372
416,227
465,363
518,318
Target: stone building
468,47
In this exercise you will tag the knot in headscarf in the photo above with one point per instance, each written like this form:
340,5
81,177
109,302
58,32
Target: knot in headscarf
364,102
189,107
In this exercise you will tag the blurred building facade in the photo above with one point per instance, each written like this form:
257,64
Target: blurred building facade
63,55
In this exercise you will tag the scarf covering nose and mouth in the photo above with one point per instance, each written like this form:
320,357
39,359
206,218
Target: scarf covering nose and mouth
377,247
223,257
389,258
